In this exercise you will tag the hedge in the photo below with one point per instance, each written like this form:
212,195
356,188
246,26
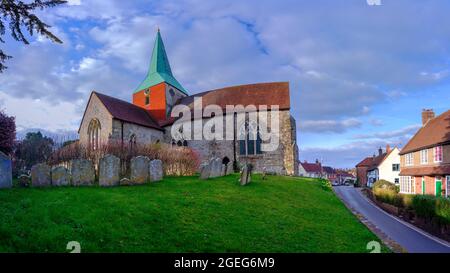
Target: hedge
432,208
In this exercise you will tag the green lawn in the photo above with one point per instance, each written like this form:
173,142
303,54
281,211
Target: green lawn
281,214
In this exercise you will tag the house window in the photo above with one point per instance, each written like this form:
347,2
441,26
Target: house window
397,180
409,159
438,154
424,156
407,184
250,140
395,167
94,134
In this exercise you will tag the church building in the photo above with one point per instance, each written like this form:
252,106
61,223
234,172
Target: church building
147,119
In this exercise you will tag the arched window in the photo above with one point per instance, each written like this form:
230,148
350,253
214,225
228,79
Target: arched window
147,97
249,139
94,134
132,142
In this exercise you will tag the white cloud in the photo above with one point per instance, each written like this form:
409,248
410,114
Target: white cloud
329,126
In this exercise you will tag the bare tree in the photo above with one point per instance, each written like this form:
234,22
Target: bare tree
17,15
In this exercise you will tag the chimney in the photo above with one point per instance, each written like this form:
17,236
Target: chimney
388,148
427,115
380,151
317,161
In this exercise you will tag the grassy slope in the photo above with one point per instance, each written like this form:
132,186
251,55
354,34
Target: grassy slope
281,214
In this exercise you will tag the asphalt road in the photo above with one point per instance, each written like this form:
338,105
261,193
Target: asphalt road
409,237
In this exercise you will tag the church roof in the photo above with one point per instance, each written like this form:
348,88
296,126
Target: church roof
273,93
159,70
127,112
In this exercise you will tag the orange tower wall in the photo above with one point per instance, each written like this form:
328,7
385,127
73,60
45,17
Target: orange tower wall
157,106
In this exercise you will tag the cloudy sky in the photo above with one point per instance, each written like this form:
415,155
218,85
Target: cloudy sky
359,75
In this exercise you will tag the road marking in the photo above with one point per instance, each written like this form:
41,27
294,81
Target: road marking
429,236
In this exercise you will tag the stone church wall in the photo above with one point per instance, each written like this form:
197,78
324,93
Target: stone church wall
96,110
143,135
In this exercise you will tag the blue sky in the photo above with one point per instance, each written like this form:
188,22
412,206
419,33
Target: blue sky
359,75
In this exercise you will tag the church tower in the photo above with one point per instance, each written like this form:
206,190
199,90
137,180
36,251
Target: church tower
160,90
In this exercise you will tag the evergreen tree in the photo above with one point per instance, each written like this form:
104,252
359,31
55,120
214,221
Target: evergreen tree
7,133
17,15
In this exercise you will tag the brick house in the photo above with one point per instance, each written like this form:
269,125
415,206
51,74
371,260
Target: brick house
361,171
425,159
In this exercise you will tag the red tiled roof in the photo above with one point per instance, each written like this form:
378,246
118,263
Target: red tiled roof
376,161
366,162
429,170
128,112
312,167
435,132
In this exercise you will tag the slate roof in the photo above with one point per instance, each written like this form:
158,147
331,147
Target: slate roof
128,112
435,132
329,170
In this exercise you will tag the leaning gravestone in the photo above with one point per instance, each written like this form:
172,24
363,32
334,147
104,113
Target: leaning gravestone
246,175
5,171
40,175
109,168
60,176
24,181
229,168
205,170
223,170
156,170
139,169
83,172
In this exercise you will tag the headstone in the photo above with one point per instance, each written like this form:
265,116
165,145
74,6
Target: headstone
139,169
223,170
216,167
205,170
24,181
229,168
246,174
264,173
60,176
125,182
40,175
156,170
109,171
83,172
5,171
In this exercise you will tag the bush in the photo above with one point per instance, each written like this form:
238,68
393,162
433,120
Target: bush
388,196
383,184
176,160
432,208
407,200
326,184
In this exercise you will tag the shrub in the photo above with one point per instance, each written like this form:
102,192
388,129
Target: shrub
407,200
424,206
176,160
326,184
383,184
443,209
388,196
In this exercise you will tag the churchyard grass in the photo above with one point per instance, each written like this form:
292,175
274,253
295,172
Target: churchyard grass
182,214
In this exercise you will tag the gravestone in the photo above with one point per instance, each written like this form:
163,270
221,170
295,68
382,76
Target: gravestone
205,170
24,181
60,176
40,175
139,169
109,171
5,171
83,172
229,168
216,167
125,182
223,170
246,174
264,173
156,170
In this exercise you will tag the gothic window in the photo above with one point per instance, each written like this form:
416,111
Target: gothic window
132,143
94,134
147,97
249,139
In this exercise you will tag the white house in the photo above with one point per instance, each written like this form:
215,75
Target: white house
385,166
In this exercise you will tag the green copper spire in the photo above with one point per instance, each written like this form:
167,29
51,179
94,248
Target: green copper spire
159,70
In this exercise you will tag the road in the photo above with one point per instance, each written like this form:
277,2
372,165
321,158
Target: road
409,237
